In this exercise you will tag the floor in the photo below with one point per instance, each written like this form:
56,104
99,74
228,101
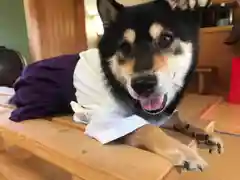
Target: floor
225,166
2,178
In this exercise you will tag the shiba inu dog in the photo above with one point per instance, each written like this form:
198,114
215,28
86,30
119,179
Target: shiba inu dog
132,83
148,53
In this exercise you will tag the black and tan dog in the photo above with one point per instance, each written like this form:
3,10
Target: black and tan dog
148,53
133,81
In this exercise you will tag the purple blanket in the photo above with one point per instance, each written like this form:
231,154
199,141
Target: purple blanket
45,88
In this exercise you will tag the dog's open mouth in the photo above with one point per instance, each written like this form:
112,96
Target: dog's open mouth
154,104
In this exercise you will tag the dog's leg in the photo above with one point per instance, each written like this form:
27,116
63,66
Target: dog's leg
202,131
152,138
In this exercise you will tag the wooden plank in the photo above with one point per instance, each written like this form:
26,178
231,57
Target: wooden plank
226,116
76,178
71,150
18,153
193,106
64,139
48,170
2,177
216,29
65,23
211,43
67,121
12,169
222,1
172,175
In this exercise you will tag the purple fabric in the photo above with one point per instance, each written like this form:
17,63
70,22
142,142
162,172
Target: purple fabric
45,89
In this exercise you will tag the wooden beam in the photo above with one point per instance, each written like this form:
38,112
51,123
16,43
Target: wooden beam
55,27
71,150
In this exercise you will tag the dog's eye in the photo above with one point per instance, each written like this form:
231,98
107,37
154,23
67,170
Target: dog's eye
165,40
125,48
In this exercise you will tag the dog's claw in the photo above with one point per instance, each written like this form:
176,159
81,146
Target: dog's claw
187,159
215,143
200,168
212,142
220,148
186,165
210,151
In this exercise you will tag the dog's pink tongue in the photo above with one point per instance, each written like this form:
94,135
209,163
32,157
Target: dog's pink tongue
151,104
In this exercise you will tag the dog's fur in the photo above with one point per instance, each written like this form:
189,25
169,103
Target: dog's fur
151,48
140,29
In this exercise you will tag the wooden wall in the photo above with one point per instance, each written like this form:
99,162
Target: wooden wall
213,52
55,27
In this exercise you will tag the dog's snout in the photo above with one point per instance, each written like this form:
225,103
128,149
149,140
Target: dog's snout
144,85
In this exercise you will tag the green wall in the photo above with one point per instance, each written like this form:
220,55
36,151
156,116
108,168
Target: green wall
13,30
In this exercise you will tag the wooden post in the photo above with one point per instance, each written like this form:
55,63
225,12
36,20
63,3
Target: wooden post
55,27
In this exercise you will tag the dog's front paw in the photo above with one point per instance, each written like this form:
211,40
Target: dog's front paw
188,4
214,144
193,161
193,165
187,158
204,137
209,139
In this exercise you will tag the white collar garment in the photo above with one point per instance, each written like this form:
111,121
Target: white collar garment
95,106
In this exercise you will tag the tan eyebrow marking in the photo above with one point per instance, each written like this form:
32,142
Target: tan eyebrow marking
155,30
130,35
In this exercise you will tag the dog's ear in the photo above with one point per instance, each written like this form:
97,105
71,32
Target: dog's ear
108,10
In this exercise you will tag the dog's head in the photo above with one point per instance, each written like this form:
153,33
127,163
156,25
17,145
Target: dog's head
149,49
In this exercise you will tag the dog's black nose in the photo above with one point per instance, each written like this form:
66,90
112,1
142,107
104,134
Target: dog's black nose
144,85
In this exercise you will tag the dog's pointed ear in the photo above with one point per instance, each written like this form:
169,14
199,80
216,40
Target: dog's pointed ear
108,10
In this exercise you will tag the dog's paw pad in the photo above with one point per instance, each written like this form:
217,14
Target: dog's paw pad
191,160
215,144
194,165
